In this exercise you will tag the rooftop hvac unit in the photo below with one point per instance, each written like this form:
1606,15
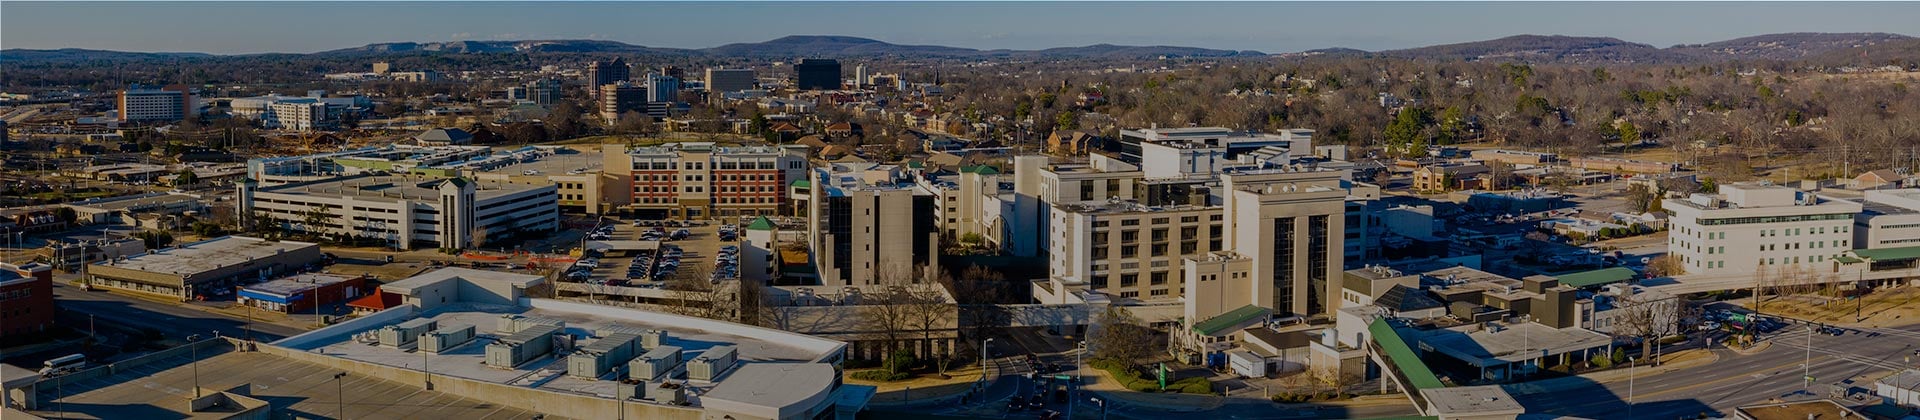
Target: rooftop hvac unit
446,339
649,338
659,363
602,355
513,323
667,393
528,344
711,364
406,333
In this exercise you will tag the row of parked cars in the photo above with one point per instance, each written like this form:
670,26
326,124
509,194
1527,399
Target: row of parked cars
729,233
727,264
656,267
656,234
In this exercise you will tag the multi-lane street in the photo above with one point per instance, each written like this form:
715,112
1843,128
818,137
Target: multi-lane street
1736,379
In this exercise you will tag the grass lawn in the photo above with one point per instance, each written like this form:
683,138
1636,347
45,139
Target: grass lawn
1143,382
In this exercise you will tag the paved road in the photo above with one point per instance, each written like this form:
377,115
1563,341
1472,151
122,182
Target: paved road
1737,380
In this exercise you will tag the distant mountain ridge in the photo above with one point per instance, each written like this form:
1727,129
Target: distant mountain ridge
1543,48
1522,48
1789,46
81,54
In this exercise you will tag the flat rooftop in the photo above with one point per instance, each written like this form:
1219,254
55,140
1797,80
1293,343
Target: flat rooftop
1468,401
1512,343
564,162
154,390
394,188
207,255
298,283
133,201
549,372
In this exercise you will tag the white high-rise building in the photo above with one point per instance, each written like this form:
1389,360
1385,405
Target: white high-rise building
172,103
1746,229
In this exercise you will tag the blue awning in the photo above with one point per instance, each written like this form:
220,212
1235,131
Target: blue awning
269,297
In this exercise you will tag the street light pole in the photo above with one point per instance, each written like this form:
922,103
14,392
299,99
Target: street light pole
1806,366
1630,369
984,341
340,394
195,351
1080,369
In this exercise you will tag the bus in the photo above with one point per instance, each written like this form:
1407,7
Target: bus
64,365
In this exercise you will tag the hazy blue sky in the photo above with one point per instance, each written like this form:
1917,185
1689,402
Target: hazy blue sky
1271,27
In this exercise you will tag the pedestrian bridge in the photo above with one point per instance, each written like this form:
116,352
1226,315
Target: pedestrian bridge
1403,367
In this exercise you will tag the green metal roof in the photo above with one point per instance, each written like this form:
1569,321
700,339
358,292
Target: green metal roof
802,183
1415,370
760,224
1844,259
1889,254
982,169
1597,277
1218,324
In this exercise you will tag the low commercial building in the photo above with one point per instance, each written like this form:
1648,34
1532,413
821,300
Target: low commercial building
302,292
26,294
205,269
1900,388
405,212
124,209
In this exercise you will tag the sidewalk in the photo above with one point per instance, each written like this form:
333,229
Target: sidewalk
1676,361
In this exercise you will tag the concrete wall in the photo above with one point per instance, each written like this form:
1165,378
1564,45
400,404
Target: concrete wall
828,350
553,403
319,338
206,349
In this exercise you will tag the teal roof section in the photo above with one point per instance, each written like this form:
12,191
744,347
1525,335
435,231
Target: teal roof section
802,183
1219,324
1889,254
1402,356
1597,277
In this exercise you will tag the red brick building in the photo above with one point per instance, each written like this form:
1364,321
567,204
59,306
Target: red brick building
26,300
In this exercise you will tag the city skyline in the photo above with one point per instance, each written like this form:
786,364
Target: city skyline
303,27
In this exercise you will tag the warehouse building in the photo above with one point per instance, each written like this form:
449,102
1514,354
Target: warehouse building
205,269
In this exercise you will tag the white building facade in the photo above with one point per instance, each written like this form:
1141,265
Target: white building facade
1746,229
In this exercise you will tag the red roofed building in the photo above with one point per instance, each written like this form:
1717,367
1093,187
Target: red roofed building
379,301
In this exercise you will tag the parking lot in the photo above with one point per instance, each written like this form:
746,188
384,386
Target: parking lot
686,251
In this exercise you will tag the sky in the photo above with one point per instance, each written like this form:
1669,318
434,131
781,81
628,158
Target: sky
1273,27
